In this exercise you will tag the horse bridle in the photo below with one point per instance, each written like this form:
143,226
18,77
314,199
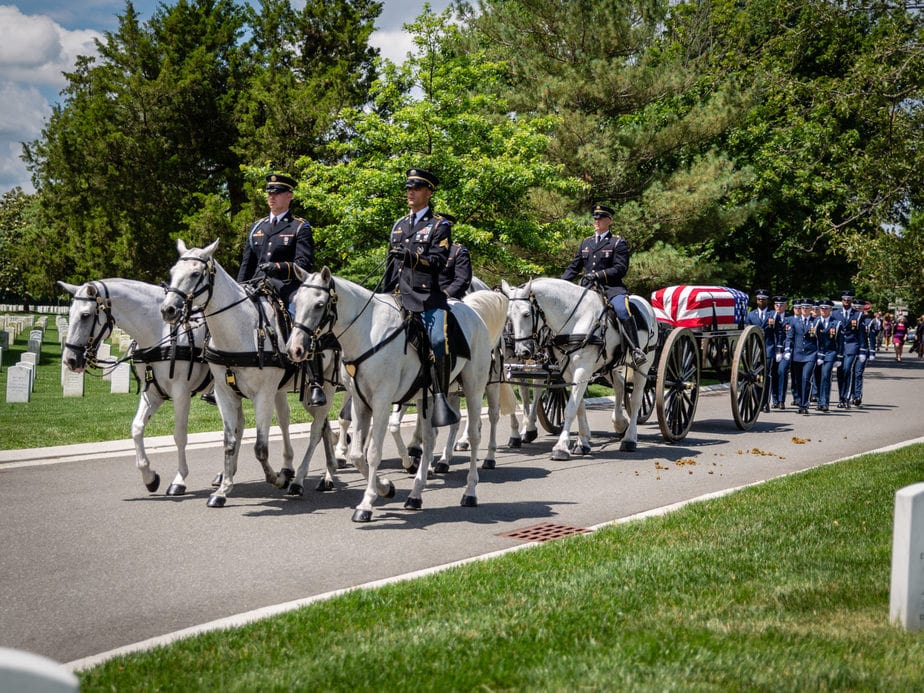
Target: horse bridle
330,311
540,328
205,284
104,304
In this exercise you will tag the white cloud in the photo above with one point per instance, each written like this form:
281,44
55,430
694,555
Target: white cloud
394,45
34,51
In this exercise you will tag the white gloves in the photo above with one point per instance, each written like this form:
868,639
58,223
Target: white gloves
779,357
862,358
837,364
818,362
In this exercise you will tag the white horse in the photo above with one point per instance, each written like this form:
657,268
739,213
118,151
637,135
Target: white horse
499,395
386,369
571,321
247,359
167,360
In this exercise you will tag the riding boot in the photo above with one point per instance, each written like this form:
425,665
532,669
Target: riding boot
629,327
443,414
318,398
209,395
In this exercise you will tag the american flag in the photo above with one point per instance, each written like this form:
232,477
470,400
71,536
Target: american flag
701,306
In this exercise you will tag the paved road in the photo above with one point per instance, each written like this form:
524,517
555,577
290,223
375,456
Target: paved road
89,561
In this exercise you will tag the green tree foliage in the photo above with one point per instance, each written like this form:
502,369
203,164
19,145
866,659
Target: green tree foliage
491,164
17,254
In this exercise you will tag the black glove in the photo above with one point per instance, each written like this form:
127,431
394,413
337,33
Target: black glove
272,269
588,280
396,254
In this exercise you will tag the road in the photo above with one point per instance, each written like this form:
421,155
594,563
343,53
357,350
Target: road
89,561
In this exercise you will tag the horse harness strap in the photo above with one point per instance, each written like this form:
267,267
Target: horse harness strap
171,353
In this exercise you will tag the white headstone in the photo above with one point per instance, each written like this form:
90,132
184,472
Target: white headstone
25,671
906,596
32,368
71,382
104,353
34,345
18,383
120,378
30,357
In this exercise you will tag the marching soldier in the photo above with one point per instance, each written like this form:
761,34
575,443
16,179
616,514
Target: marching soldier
828,334
854,331
762,317
868,337
780,368
800,349
601,261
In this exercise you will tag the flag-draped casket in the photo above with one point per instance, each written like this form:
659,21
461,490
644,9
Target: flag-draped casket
701,307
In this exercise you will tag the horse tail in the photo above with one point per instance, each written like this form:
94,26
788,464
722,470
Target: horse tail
508,400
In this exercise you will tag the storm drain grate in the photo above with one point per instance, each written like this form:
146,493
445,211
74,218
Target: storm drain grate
546,531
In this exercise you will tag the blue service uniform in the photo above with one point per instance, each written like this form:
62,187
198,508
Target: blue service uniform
289,241
416,277
828,336
603,262
868,340
765,319
854,333
780,366
801,348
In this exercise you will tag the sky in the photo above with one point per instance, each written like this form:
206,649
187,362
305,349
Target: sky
40,39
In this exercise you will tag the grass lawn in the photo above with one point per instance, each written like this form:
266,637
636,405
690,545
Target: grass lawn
784,586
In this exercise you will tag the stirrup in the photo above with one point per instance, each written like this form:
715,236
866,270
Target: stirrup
443,414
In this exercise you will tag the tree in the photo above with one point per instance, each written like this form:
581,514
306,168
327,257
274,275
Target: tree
490,162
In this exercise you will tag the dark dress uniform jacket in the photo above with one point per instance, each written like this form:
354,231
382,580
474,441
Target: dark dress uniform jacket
290,239
457,276
854,329
418,282
605,263
801,341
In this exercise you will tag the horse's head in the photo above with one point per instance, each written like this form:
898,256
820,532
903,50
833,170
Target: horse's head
192,276
521,319
315,304
89,323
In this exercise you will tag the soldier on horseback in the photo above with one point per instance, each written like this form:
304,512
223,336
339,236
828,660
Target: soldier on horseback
418,252
602,261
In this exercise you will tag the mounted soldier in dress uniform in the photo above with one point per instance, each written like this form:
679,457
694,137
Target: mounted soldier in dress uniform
456,277
418,252
602,261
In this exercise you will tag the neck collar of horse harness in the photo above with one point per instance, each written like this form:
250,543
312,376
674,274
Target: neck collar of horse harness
104,304
207,287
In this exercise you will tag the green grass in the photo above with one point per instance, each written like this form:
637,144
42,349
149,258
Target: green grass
51,419
778,587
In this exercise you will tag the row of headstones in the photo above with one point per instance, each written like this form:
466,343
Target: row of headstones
20,382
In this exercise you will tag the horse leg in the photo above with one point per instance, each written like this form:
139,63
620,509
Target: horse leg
561,449
473,402
582,446
630,437
284,418
147,404
441,466
374,486
319,431
530,402
394,427
180,437
414,501
493,396
232,418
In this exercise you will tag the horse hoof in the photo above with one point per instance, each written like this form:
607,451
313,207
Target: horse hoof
530,436
413,504
414,451
362,516
284,478
216,482
583,449
390,493
628,446
441,468
561,455
324,485
216,501
295,490
412,468
154,485
488,464
461,446
176,489
341,463
515,442
469,501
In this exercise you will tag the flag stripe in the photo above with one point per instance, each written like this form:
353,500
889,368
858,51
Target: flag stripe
694,306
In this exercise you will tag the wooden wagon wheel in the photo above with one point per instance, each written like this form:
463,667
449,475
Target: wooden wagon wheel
749,377
677,389
551,409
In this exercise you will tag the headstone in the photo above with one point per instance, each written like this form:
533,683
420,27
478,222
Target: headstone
32,368
30,357
71,382
120,378
104,353
906,596
18,383
4,339
25,671
34,345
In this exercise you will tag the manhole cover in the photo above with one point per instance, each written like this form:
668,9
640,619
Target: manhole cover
545,531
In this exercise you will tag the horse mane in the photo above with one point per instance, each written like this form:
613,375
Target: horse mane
491,307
